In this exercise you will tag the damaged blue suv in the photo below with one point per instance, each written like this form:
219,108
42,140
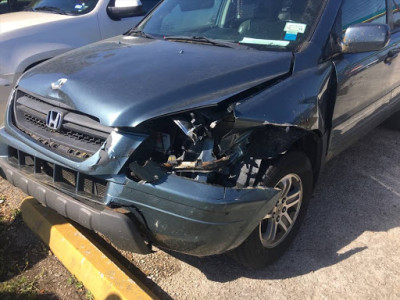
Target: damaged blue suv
204,129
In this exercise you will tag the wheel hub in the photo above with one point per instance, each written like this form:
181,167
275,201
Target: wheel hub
278,223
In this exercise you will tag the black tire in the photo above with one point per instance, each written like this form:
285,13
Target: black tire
252,252
393,122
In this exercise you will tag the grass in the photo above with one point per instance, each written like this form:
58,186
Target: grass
89,295
72,280
3,220
15,213
4,223
7,217
75,282
21,287
16,282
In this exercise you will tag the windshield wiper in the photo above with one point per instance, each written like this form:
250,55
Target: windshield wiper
200,40
50,9
140,33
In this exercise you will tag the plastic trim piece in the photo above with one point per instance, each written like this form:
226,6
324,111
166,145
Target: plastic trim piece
119,228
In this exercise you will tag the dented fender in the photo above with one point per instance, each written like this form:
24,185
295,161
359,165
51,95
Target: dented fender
292,102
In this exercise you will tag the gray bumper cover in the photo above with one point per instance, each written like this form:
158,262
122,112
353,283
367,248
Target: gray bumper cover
119,228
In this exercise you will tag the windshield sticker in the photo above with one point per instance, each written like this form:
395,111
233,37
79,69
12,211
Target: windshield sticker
291,36
247,40
295,28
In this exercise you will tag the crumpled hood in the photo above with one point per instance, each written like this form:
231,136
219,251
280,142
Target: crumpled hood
124,81
25,19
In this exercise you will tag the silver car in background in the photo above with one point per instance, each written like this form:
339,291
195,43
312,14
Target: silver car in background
48,28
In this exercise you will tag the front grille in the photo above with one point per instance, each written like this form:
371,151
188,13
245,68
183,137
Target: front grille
79,136
68,133
68,176
76,184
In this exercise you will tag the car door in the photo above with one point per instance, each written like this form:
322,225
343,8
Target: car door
109,27
364,79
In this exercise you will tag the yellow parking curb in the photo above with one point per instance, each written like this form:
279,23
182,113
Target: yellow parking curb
86,260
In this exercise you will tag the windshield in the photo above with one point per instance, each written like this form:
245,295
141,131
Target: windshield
261,24
70,7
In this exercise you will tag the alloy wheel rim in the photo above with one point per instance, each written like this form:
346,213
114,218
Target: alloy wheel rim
277,224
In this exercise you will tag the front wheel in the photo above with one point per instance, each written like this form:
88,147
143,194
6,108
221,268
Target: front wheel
293,175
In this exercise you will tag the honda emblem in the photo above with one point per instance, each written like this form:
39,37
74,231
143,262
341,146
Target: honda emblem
54,120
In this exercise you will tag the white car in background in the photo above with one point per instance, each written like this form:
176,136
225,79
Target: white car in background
48,28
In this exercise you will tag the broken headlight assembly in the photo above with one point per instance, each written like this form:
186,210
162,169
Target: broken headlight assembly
202,145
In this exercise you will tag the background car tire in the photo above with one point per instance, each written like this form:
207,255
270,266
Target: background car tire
252,253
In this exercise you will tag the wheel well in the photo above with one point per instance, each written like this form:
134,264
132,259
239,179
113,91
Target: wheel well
311,145
272,142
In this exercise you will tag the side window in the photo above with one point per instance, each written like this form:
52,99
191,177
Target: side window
19,5
3,6
147,5
396,13
363,11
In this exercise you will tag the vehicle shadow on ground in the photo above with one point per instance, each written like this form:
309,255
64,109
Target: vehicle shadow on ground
108,250
359,191
19,250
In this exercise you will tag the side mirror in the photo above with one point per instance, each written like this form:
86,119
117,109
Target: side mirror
124,9
365,38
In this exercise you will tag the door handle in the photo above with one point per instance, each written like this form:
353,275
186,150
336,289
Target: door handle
392,54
